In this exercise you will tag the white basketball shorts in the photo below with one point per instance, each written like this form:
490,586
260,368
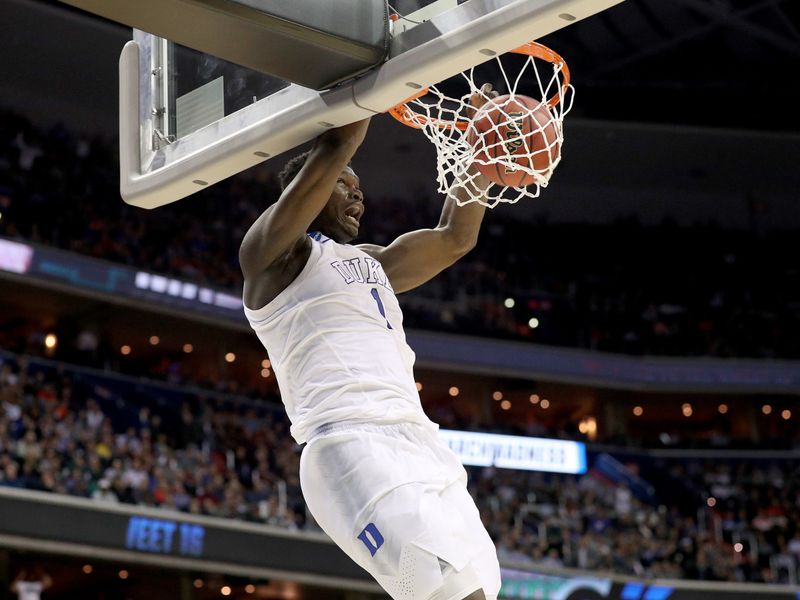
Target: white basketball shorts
394,498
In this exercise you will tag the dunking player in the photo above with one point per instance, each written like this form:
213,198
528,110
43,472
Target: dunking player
374,474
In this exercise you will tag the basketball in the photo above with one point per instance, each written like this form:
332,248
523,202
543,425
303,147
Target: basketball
514,130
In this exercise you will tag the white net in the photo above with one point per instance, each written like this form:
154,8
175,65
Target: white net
512,140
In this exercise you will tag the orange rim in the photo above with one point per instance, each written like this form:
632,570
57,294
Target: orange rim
408,116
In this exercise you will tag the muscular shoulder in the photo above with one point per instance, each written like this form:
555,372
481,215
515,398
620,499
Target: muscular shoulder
372,250
262,288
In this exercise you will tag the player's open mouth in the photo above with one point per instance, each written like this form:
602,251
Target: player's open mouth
352,213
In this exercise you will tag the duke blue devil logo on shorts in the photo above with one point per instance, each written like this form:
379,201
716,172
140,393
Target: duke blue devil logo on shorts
372,538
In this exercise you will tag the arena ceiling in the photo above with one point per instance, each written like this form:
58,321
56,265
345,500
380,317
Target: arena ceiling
730,63
721,63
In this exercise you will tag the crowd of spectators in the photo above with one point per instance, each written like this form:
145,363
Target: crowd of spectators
715,520
72,431
624,287
82,435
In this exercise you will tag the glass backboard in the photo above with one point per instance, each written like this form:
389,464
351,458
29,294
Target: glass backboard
188,119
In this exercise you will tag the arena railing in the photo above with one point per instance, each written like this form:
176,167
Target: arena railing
165,389
61,525
67,272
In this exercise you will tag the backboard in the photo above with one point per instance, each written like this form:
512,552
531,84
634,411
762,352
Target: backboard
188,119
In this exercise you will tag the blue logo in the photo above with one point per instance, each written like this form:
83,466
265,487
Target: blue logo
372,538
157,535
638,591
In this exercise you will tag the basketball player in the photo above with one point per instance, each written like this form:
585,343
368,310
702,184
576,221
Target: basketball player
374,474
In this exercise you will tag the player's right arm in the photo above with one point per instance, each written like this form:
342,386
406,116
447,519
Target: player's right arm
276,232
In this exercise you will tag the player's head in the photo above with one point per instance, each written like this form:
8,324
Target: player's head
340,218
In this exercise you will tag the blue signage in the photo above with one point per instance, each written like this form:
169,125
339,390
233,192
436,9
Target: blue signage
164,537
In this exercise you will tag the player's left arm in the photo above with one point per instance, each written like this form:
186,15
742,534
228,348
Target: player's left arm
418,256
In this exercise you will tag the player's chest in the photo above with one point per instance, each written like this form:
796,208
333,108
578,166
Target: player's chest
358,271
363,282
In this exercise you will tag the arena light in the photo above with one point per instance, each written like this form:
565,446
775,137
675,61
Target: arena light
125,350
225,590
786,414
516,452
722,408
198,583
505,405
186,291
766,409
453,391
123,574
638,411
534,398
545,403
50,341
15,257
265,364
509,303
230,357
265,373
87,568
188,348
533,322
419,386
497,395
588,427
154,340
250,588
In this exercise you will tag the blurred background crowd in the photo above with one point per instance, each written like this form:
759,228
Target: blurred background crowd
106,437
625,287
660,273
225,451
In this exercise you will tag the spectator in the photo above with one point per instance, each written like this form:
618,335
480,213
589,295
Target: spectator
29,586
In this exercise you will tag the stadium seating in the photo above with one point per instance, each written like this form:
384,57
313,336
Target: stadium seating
620,288
113,438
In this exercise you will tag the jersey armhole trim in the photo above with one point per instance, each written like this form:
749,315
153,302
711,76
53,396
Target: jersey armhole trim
263,312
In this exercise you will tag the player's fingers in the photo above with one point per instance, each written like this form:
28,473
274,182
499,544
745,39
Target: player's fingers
485,91
481,96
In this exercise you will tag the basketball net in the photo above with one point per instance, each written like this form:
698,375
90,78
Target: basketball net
449,123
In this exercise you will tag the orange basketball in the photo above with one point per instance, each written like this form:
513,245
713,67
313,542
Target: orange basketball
519,129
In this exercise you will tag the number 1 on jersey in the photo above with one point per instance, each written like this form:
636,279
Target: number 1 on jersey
379,302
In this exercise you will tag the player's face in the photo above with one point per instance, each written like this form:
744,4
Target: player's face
341,217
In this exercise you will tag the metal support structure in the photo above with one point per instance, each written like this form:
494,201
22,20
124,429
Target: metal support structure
657,49
734,20
785,20
161,92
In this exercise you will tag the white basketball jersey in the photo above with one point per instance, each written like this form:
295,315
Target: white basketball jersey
335,338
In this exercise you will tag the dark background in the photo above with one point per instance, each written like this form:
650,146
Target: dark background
686,108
